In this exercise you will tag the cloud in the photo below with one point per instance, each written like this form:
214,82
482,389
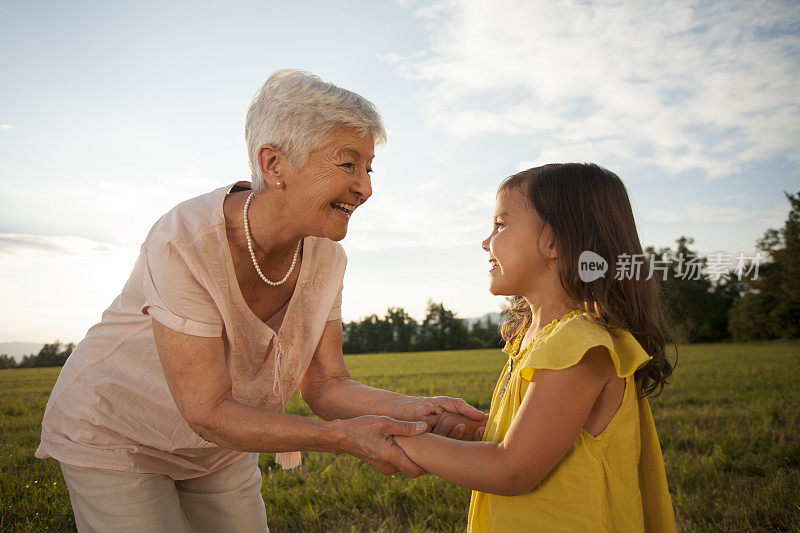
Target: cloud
26,244
700,213
6,126
429,216
682,85
56,286
163,191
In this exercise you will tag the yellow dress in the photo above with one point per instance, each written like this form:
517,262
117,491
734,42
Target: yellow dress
613,482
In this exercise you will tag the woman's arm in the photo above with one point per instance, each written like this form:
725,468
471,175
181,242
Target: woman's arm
331,393
555,408
200,384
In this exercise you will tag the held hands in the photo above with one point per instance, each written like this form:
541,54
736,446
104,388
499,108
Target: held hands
459,427
371,439
450,417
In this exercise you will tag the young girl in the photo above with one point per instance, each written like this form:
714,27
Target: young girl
570,443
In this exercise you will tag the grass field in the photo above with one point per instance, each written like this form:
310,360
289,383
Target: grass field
729,426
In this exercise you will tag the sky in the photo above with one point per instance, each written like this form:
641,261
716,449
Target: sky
111,113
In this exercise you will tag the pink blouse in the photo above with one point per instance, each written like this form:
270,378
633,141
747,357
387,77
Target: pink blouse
111,407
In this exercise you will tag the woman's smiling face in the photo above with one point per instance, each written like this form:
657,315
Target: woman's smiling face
519,251
332,183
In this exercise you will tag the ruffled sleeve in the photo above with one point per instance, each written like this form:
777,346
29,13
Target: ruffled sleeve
565,344
173,295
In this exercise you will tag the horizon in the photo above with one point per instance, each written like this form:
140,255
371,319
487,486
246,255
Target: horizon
20,352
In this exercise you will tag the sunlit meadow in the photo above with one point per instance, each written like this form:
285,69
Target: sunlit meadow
729,425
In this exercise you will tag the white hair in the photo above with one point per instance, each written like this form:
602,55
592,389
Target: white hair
295,111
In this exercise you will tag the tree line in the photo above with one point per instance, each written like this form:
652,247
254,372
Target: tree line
54,354
758,299
397,331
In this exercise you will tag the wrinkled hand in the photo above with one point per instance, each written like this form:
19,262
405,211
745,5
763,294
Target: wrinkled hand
429,409
459,427
372,441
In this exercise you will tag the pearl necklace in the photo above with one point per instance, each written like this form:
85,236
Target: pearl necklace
253,254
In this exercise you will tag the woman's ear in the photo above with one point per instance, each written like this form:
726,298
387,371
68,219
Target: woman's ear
271,161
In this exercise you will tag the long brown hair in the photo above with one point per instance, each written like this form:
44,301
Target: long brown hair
587,208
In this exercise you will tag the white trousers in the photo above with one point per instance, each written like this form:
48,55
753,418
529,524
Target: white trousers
227,500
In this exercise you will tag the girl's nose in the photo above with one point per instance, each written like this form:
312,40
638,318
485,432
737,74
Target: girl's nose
485,244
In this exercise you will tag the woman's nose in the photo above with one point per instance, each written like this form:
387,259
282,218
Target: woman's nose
485,244
363,186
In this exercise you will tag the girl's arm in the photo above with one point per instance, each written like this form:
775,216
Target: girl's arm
555,408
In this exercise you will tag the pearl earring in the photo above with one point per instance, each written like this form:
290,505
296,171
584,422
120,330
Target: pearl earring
277,183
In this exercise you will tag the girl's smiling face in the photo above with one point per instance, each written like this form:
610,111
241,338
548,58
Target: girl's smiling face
521,248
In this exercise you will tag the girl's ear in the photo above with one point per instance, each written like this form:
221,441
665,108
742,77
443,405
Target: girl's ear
549,240
552,253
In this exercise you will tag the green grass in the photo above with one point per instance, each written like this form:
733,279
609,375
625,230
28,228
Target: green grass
729,425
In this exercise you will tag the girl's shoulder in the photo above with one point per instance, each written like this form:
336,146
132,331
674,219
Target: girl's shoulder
563,343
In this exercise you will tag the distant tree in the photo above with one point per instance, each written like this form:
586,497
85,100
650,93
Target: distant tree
68,349
484,333
54,354
376,334
697,304
57,355
6,361
365,334
395,332
402,328
770,305
351,337
27,361
441,329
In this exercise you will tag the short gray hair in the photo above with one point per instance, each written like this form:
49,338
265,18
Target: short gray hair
295,111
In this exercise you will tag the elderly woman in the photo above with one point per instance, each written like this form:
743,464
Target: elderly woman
158,416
